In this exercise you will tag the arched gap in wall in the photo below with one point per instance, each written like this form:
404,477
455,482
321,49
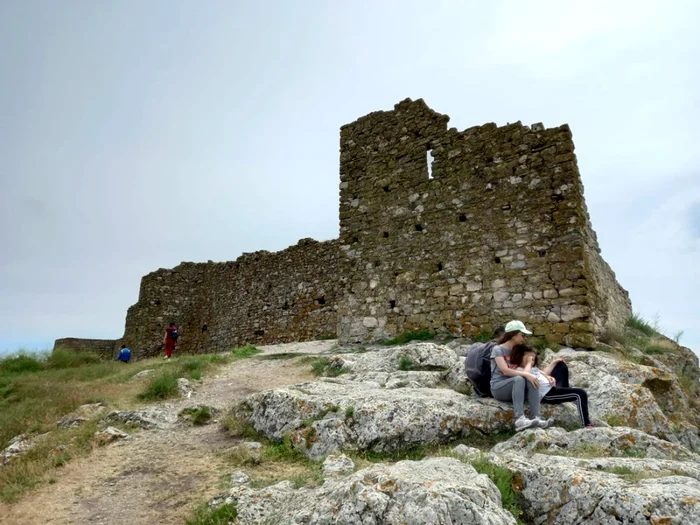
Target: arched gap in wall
321,300
462,218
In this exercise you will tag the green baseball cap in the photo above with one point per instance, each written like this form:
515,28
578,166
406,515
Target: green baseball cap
517,326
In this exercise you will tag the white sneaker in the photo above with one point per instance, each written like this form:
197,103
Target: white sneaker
522,423
545,423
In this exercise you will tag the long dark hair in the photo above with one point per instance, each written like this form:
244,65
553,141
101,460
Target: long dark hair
518,352
507,336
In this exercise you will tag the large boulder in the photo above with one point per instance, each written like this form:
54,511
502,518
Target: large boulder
624,393
412,356
81,414
330,415
570,490
148,418
431,491
600,442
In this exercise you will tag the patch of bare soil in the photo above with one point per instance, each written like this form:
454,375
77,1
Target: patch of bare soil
159,476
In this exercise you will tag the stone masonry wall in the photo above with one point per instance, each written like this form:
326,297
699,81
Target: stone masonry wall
440,229
105,348
494,228
260,297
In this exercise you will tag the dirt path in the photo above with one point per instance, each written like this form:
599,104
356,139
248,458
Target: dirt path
159,476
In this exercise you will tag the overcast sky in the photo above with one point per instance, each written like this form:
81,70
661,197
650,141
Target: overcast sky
135,135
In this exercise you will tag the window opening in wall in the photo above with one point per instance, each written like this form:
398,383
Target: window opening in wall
157,302
396,274
439,267
541,253
321,300
377,264
204,327
285,306
355,240
558,198
419,228
462,218
392,303
498,260
386,235
260,332
387,189
429,162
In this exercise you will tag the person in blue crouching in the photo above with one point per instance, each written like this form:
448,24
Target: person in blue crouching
124,354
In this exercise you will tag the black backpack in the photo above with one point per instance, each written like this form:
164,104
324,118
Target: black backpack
174,334
477,365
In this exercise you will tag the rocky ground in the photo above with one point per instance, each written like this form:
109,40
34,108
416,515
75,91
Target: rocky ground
639,465
158,475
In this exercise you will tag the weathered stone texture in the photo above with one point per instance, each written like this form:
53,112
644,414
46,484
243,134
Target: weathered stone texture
105,348
261,297
496,229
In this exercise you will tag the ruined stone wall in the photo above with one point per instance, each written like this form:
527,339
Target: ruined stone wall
494,228
105,348
260,297
440,229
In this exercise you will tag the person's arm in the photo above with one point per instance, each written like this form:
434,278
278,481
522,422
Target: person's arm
547,371
503,367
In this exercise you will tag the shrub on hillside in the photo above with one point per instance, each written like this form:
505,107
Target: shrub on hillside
60,358
161,386
20,364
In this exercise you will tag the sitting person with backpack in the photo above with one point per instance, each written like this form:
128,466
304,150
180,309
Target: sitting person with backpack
554,381
477,365
170,340
509,384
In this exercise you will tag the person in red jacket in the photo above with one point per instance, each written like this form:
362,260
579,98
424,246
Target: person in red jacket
170,340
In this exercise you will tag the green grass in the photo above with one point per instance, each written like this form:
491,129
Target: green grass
20,364
349,412
245,352
405,363
161,386
36,390
221,515
634,452
67,359
415,452
637,322
198,415
506,483
407,337
322,366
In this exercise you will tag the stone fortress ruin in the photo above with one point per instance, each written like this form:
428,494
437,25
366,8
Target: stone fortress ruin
440,229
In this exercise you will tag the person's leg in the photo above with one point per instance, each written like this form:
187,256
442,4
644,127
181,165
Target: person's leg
512,389
533,399
560,373
579,396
